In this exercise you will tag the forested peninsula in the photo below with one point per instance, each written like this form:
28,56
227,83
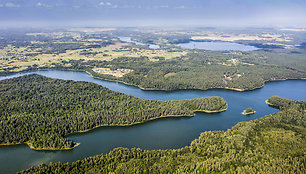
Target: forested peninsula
272,144
41,111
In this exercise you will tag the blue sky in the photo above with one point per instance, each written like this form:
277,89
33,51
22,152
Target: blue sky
154,12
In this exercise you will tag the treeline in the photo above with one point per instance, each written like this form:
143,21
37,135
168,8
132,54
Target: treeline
196,73
41,111
272,144
200,71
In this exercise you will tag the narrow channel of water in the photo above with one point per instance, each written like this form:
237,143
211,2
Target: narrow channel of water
159,134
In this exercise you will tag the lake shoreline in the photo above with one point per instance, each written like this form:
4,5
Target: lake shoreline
40,149
148,120
270,104
248,113
226,88
113,125
168,133
153,89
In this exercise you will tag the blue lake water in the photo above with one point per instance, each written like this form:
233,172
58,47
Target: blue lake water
129,40
218,46
159,134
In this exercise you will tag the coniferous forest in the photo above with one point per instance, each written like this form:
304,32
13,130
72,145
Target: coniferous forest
174,64
272,144
41,111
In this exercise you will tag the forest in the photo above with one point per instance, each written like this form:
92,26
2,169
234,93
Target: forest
41,111
272,144
198,71
279,102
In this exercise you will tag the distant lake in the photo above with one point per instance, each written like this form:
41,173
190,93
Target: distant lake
217,46
167,133
129,40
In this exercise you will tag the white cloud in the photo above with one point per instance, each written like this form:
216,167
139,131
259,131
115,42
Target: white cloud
115,6
180,6
1,5
11,5
39,4
105,4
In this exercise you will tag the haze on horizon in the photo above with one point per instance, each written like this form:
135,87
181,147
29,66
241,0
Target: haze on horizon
229,13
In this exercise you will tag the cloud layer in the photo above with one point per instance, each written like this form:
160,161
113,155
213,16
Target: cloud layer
172,12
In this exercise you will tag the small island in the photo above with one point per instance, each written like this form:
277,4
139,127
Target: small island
248,111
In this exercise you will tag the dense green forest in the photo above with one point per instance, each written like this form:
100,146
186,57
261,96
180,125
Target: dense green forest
272,144
41,111
279,102
199,71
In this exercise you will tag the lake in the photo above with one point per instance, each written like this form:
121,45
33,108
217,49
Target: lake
217,46
129,40
164,133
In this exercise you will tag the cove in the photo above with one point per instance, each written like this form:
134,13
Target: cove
217,46
166,133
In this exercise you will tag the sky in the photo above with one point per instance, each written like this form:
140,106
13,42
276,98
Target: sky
240,13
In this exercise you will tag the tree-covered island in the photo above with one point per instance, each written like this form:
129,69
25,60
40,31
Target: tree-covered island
248,111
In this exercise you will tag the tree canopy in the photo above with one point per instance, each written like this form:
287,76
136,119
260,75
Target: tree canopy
272,144
41,111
